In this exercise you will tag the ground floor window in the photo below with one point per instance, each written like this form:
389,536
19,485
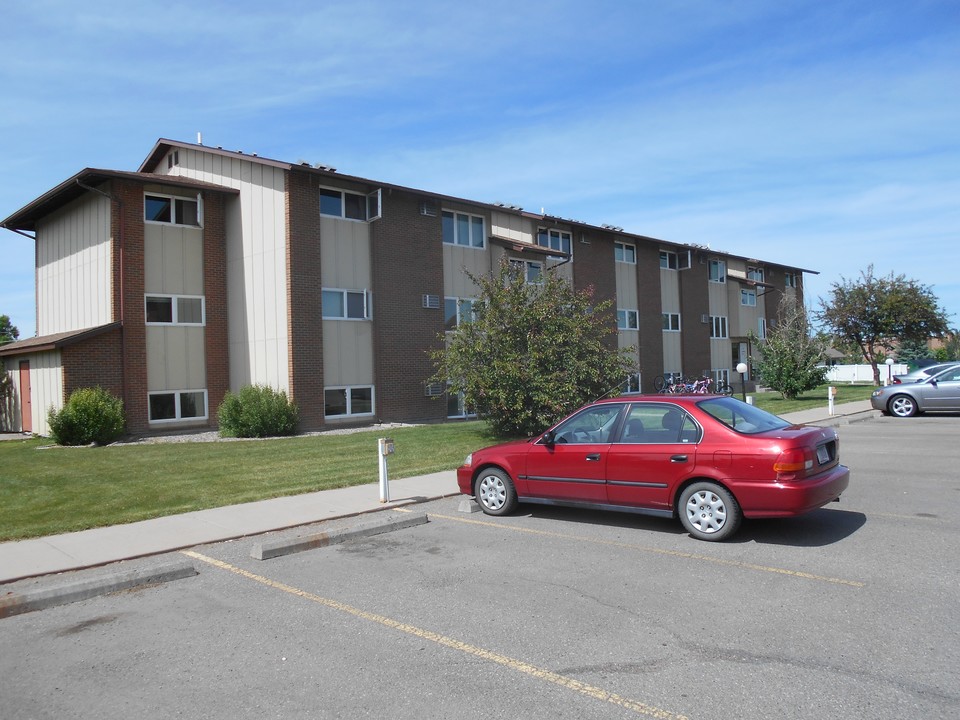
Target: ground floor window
348,401
170,406
632,384
721,377
457,406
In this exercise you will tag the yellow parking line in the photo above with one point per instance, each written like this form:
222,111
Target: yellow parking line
508,662
658,551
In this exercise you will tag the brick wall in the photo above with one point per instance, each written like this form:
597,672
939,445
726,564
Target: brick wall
694,304
304,294
216,345
407,264
97,361
594,268
651,313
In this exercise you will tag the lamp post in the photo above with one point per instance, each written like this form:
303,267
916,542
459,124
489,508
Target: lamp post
889,362
742,369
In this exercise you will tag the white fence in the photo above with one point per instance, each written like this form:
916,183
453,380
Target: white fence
864,373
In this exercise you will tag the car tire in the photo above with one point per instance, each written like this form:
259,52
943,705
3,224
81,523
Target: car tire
495,492
709,512
902,406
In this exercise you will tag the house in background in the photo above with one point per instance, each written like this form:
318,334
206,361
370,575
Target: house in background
208,270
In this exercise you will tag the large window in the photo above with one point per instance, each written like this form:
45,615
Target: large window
625,253
755,273
717,271
532,271
671,322
790,279
555,240
462,229
174,309
457,406
670,260
171,406
171,210
718,326
346,304
762,328
348,401
349,205
456,311
748,298
627,319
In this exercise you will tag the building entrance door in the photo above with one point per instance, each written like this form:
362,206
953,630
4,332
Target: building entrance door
26,408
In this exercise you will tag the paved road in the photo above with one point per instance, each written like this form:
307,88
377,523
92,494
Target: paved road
850,612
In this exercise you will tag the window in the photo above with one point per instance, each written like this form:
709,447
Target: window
170,406
627,319
456,311
670,260
762,328
175,309
625,253
594,425
748,297
717,271
631,384
671,322
721,377
348,401
718,326
790,279
457,407
462,229
348,205
755,274
346,305
532,271
658,424
555,240
171,210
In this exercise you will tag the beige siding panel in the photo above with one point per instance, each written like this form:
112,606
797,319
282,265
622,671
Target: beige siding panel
73,266
256,264
718,298
721,354
345,257
514,227
627,290
670,291
457,262
628,338
175,358
347,353
46,388
672,355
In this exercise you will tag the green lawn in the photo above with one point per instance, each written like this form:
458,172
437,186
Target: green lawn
55,490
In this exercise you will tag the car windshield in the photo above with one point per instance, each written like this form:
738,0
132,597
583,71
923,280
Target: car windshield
741,417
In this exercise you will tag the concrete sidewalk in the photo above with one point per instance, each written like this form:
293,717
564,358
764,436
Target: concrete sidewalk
89,548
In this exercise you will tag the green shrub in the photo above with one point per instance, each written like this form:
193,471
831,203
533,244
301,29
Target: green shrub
91,415
257,411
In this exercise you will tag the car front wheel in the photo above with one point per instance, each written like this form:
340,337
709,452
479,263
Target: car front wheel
903,406
495,492
709,512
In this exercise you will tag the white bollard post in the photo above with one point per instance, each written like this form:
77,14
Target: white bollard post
384,448
831,392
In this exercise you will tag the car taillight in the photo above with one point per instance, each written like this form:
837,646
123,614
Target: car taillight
897,381
791,463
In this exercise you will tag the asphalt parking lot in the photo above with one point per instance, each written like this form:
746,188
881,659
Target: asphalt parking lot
852,611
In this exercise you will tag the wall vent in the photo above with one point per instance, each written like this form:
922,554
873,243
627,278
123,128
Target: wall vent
705,319
431,302
428,208
434,389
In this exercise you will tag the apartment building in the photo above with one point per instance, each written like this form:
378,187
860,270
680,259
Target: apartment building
207,270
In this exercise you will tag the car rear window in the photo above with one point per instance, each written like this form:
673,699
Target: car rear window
741,417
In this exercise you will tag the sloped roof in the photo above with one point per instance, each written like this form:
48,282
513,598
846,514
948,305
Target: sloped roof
45,343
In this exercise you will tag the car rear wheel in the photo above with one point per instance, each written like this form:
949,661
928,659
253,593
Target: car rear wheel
903,406
709,512
495,492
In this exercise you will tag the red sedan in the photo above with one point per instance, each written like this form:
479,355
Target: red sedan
711,460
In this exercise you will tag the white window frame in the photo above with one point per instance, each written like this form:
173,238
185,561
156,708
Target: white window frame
721,271
721,377
345,293
755,273
347,393
471,240
631,384
198,199
762,328
621,250
175,310
669,324
462,410
525,266
674,260
459,314
177,405
627,314
556,239
719,326
790,279
370,202
748,298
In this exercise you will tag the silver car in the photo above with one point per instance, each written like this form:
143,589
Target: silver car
940,392
924,372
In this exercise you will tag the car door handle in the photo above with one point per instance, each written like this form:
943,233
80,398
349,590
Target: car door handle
593,457
678,458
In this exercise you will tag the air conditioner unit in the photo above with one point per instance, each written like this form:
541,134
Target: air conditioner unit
431,302
428,208
705,319
434,389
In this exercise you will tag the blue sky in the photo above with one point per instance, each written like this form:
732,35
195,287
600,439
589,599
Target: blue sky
822,135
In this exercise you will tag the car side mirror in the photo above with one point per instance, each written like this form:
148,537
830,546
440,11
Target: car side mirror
549,438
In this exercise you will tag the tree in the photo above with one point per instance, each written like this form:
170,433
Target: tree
876,313
789,359
531,352
8,333
913,350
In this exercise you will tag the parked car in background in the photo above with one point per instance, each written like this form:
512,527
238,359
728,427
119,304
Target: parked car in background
940,392
710,460
923,373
